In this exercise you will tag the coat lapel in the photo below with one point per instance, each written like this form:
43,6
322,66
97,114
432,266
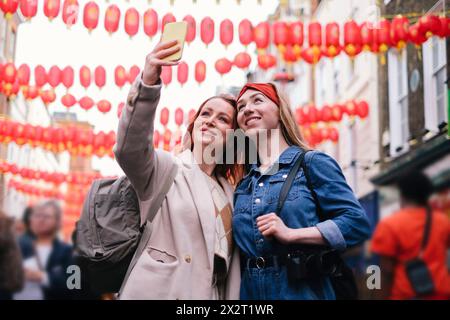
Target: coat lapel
202,201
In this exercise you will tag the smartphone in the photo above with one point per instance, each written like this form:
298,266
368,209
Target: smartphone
175,31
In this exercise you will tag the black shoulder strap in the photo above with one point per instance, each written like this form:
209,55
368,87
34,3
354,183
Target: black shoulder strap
288,183
426,232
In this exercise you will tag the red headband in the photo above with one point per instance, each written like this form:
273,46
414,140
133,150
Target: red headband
267,89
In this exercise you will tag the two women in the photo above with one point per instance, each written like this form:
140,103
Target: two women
191,253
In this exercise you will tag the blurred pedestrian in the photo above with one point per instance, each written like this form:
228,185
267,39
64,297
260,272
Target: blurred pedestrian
11,273
399,239
46,257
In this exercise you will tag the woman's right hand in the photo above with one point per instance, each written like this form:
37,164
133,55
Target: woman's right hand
154,61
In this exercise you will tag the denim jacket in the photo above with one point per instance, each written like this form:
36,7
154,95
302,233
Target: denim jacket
258,194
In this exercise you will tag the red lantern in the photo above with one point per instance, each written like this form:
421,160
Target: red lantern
104,106
167,138
30,92
207,30
350,108
334,135
48,96
445,27
70,12
367,35
261,35
296,36
156,138
326,114
280,34
112,18
40,76
28,8
382,35
223,66
182,73
289,55
86,103
332,39
226,32
54,76
85,76
166,19
166,75
131,22
179,115
266,61
134,72
352,38
311,55
242,60
200,71
120,76
51,8
9,73
301,117
191,28
150,22
337,112
415,36
68,100
362,109
119,109
164,116
67,77
23,74
429,25
315,34
191,115
91,15
399,31
245,32
100,76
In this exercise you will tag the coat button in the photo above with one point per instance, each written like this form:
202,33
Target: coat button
258,200
187,258
261,184
284,176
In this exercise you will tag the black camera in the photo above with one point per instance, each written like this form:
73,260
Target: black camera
312,263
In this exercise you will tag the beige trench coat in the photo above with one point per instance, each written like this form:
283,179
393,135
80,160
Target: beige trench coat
178,260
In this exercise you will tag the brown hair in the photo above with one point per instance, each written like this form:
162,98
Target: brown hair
232,172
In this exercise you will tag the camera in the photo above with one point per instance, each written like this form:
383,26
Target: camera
307,264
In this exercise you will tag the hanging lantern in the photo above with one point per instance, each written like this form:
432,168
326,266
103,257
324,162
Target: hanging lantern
266,61
296,37
352,39
226,32
23,74
367,35
9,72
223,66
179,115
91,15
104,106
207,30
112,19
191,115
315,34
119,109
29,8
261,35
445,27
334,135
326,114
68,100
131,22
70,12
191,28
429,25
245,32
332,39
86,103
382,35
54,76
156,138
164,116
120,76
85,76
100,76
200,71
311,55
280,35
289,55
242,60
166,19
399,31
30,92
362,109
300,117
415,36
182,73
48,96
134,72
67,77
40,76
166,75
337,112
350,108
51,8
150,22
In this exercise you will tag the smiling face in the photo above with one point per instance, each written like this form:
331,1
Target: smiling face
213,121
257,112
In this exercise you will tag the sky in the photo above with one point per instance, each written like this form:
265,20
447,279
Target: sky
49,43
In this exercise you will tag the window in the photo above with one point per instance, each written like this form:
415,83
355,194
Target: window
398,101
434,75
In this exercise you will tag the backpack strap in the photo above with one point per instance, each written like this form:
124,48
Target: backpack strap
148,226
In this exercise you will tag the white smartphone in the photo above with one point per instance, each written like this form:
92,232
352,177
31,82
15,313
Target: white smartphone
175,31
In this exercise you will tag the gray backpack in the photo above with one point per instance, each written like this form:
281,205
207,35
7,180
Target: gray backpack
109,237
